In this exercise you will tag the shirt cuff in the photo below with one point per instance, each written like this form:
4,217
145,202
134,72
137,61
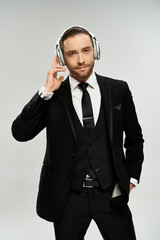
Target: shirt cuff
134,181
44,94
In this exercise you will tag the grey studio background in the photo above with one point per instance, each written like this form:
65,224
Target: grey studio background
129,35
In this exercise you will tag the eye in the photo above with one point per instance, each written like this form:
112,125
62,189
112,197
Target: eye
71,53
86,50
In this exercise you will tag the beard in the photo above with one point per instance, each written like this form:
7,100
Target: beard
81,74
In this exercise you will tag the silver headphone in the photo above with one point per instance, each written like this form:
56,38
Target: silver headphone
59,52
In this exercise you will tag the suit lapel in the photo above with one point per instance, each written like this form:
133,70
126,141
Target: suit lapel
68,105
105,89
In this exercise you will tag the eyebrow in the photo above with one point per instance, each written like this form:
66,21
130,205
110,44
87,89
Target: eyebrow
70,51
88,47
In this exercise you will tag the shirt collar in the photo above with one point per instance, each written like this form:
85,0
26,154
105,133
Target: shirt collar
92,81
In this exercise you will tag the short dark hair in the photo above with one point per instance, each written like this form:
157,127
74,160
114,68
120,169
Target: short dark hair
72,31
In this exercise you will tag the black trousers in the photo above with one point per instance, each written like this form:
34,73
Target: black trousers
93,203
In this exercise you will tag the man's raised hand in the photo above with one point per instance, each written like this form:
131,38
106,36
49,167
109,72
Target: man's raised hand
52,82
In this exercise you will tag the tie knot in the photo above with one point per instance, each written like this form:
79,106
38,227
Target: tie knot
83,86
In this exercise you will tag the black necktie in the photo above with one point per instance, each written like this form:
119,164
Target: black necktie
88,121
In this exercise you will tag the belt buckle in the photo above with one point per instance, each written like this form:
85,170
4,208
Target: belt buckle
88,179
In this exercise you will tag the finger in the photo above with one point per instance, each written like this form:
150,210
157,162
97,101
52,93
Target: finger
56,59
56,70
61,78
55,62
60,67
58,63
55,65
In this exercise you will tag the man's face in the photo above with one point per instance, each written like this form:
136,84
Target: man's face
79,56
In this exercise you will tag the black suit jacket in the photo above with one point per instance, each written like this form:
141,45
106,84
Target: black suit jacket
59,161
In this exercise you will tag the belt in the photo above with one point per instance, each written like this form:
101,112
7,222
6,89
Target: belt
90,183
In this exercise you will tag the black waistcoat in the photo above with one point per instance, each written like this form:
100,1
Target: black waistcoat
93,150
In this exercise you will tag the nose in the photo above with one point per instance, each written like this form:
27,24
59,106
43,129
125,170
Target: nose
80,59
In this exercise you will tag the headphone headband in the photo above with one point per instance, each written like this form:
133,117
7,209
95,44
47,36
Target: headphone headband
59,52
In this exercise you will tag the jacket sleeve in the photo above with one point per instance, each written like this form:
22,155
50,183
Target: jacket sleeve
133,138
31,120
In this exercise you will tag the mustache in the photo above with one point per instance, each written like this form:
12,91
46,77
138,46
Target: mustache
81,66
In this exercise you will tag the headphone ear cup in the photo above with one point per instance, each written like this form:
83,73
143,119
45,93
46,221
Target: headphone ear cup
96,49
60,55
